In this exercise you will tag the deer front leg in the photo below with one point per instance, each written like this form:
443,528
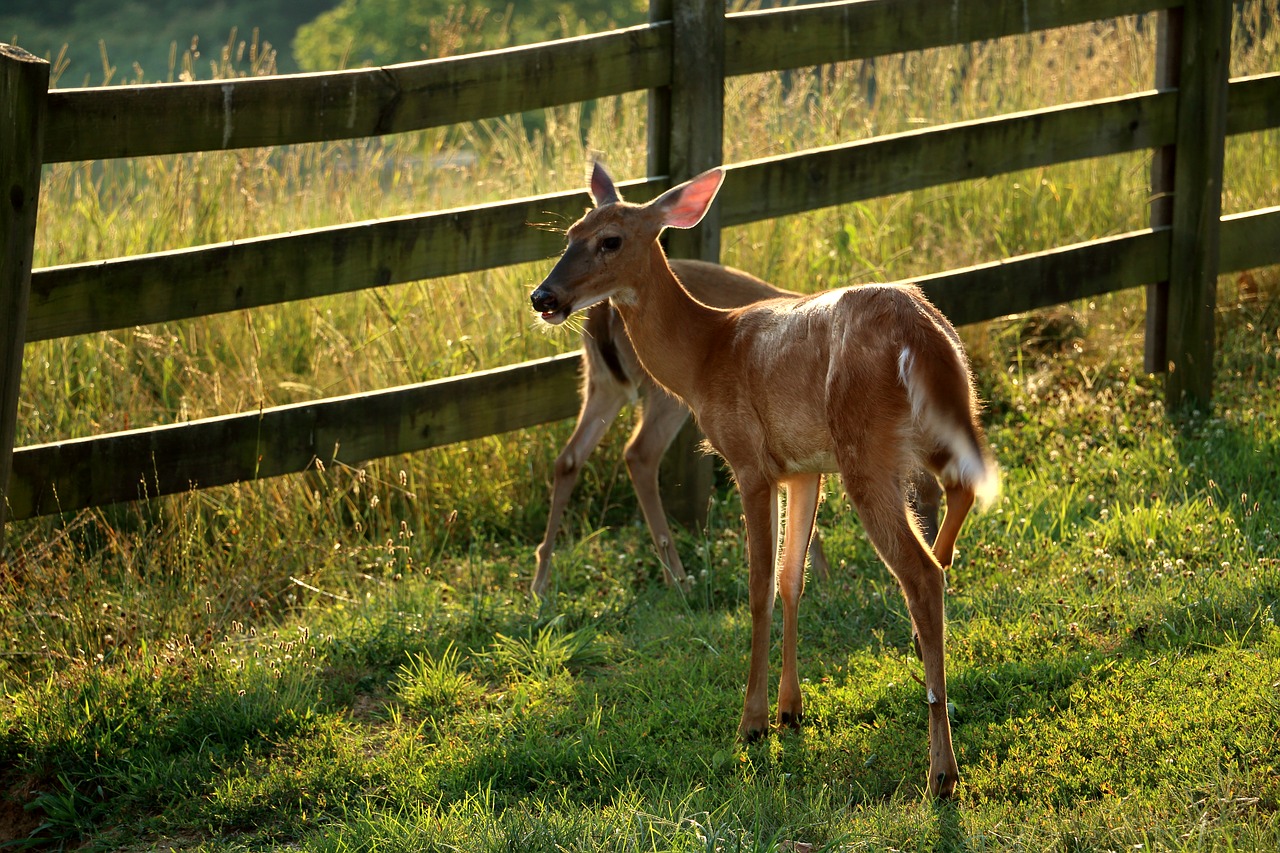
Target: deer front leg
802,505
660,421
600,405
760,508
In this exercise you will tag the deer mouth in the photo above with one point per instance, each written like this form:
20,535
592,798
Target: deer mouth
550,308
554,318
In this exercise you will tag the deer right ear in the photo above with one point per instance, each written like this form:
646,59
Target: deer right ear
602,189
685,205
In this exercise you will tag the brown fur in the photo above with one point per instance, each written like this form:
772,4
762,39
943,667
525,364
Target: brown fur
611,378
870,381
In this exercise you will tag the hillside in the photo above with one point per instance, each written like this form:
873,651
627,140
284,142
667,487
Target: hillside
92,43
139,37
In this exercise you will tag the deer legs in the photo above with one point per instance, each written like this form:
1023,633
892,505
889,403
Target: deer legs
600,405
802,506
880,505
959,502
776,569
760,510
660,421
659,424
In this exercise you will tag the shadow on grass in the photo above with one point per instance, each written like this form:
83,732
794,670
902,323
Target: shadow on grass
657,716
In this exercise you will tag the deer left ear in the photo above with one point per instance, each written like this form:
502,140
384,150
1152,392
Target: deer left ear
685,205
602,189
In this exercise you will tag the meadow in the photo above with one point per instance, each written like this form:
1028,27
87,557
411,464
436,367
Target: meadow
348,659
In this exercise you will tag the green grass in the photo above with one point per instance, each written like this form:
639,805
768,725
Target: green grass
347,660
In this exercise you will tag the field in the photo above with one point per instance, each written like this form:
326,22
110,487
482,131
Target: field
348,660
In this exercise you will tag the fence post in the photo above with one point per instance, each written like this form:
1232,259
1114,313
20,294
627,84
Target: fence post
1168,61
1200,139
24,86
686,136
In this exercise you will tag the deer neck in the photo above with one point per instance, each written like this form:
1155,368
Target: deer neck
672,332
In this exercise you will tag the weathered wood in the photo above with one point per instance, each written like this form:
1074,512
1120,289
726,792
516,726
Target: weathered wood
1250,239
1168,61
101,123
24,84
697,114
127,466
142,289
1253,103
659,107
92,124
72,475
97,296
1197,201
133,121
814,34
779,186
987,291
696,144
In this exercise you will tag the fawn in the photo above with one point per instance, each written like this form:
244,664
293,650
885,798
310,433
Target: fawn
870,381
611,378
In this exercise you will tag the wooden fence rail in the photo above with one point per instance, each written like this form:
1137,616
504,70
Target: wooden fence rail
139,120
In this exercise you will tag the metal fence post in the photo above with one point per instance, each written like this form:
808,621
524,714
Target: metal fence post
24,86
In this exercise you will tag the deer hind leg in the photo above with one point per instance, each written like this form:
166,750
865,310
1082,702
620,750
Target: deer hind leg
818,557
960,499
880,500
660,422
802,505
601,402
959,502
925,499
760,509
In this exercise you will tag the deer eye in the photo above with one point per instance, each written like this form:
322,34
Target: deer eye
611,244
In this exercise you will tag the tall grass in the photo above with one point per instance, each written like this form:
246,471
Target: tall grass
493,489
396,548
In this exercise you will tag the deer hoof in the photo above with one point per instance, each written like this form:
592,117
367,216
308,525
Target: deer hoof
945,786
786,718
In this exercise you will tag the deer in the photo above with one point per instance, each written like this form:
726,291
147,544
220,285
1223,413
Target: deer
612,378
868,381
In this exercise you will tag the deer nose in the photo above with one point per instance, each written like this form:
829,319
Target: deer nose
544,301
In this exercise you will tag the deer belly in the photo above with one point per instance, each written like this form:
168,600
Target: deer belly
822,462
803,448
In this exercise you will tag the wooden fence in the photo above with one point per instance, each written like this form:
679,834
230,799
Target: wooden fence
682,58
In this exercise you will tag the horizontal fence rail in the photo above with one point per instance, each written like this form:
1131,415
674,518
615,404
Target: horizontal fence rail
103,295
72,475
288,439
136,121
129,121
863,29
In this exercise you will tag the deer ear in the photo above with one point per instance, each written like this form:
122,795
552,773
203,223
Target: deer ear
602,189
685,205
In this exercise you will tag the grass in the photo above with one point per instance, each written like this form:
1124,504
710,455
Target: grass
347,660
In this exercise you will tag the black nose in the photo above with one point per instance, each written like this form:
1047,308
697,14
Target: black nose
544,301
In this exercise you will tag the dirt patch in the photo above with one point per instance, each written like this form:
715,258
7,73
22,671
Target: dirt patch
16,823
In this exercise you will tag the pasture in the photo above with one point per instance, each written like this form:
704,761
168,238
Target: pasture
347,659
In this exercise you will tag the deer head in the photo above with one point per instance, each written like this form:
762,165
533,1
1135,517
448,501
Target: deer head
610,248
